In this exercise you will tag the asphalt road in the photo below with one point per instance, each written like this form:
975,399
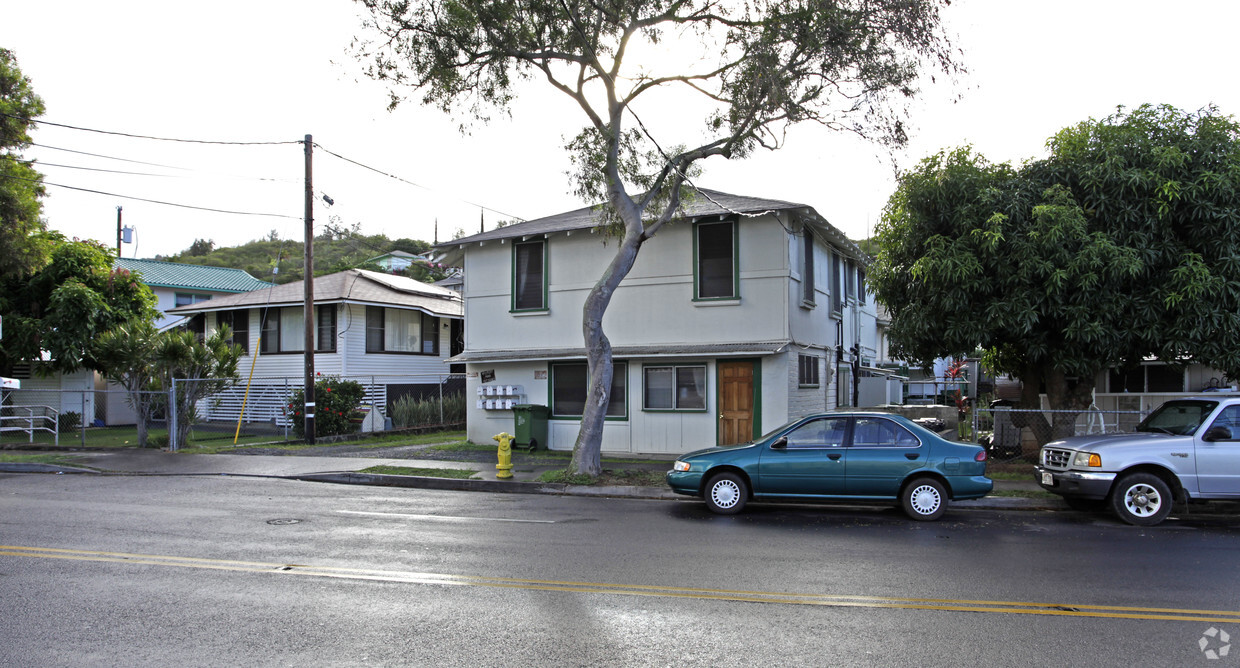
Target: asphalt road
237,571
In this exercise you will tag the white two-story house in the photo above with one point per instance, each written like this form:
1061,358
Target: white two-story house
739,316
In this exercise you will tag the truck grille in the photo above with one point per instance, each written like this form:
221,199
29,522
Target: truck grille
1055,458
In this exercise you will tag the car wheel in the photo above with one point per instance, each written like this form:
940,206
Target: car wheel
924,499
1087,505
1142,499
726,494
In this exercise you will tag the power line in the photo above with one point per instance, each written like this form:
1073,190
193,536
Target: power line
89,169
151,164
109,157
153,201
137,136
416,185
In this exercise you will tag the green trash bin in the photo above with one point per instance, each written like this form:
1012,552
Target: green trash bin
530,426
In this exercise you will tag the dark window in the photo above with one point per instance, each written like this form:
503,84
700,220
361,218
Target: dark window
568,389
325,336
197,324
836,292
269,330
716,260
807,373
529,279
861,286
807,267
1164,378
430,335
674,387
239,322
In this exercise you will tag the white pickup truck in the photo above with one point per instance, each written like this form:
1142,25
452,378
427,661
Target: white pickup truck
1186,450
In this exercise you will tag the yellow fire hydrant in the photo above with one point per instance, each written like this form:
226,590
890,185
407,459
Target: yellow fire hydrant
504,467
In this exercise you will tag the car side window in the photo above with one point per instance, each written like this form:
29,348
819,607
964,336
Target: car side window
1229,418
821,433
881,433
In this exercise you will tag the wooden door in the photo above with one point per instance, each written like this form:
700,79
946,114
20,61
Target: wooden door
736,409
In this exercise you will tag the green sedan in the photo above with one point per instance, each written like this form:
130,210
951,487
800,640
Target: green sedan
861,456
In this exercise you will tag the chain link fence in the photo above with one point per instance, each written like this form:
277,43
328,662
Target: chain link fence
215,411
1014,434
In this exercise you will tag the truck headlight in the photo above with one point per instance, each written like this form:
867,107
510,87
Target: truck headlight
680,466
1087,459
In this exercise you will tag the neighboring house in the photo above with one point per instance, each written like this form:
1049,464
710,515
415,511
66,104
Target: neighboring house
743,314
176,284
396,260
393,334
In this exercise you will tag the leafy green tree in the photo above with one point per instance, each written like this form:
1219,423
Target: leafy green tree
755,68
1121,245
201,367
23,247
62,308
127,355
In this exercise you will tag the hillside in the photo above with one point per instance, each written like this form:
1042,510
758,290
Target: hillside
332,253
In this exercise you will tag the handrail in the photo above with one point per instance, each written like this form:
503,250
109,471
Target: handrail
30,418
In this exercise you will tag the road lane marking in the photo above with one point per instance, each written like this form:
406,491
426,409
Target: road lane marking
786,598
445,518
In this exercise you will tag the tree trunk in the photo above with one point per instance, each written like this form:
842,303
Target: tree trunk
1068,396
587,459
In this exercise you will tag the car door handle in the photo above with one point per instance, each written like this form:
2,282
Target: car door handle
911,455
834,456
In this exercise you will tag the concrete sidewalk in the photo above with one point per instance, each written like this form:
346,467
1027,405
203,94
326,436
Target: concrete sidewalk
348,470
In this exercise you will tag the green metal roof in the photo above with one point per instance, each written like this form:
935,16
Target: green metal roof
191,276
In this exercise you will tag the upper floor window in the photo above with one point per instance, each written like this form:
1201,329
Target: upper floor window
569,384
715,275
529,276
187,298
391,330
807,267
861,286
837,303
284,329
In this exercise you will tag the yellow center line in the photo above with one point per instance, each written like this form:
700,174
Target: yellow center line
786,598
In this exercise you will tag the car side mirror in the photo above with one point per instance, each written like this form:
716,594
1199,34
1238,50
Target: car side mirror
1217,434
780,443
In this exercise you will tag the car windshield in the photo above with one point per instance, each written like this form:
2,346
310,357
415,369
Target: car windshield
1177,417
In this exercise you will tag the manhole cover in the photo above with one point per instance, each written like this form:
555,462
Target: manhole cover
285,520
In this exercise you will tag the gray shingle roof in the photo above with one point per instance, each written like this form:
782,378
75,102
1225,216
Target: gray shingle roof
156,273
708,203
353,285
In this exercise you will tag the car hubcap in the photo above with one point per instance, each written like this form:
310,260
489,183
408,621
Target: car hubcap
925,499
1143,500
725,493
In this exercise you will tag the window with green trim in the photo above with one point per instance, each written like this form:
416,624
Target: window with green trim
568,389
674,388
714,267
529,275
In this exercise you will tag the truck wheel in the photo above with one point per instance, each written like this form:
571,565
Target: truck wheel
1142,499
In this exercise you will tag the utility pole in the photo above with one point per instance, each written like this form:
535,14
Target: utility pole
118,231
308,304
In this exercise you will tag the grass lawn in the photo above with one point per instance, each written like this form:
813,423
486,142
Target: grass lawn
224,444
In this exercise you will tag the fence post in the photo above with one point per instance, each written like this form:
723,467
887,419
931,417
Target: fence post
441,382
172,417
82,421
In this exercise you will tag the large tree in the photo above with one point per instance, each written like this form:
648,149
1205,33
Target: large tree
22,248
1124,244
748,70
53,316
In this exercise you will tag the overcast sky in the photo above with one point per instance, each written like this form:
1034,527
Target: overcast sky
276,70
